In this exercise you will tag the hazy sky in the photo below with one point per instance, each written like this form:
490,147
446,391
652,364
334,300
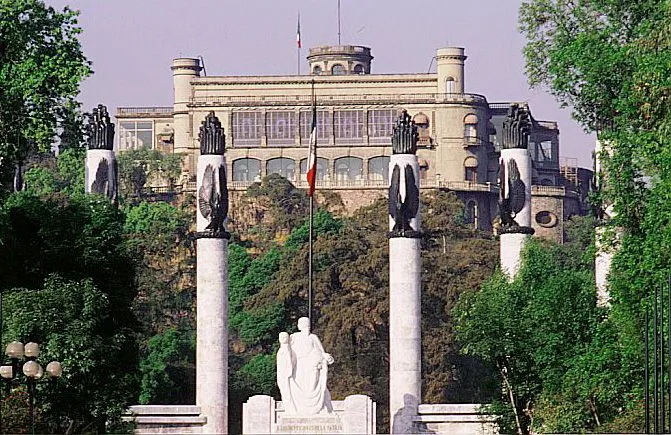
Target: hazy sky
132,43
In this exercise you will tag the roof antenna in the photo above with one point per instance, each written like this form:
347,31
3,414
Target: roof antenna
202,63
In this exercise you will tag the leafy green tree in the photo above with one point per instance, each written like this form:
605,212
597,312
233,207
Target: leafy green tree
41,66
558,357
144,165
168,364
610,61
69,283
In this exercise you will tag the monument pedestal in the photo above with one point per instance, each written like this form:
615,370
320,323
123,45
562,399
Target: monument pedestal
264,415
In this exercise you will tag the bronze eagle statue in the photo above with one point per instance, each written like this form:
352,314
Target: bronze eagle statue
213,198
512,196
101,183
403,203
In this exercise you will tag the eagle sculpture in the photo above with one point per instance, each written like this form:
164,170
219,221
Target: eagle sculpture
403,200
101,182
213,198
512,194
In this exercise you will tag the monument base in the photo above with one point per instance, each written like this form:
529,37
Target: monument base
165,419
316,424
264,415
454,419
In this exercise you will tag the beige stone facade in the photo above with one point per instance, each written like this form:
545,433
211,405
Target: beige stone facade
267,125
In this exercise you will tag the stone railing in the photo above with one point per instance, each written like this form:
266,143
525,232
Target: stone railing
335,100
461,186
143,111
539,190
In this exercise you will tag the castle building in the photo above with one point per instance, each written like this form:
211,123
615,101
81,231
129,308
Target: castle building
267,123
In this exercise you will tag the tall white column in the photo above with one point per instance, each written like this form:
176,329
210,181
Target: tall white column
515,184
405,310
212,281
607,236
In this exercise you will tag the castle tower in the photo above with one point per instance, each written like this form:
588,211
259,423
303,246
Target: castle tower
450,70
183,71
101,166
515,188
212,278
339,60
405,311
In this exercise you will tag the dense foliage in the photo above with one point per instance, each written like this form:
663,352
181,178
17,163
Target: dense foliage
561,364
41,66
68,284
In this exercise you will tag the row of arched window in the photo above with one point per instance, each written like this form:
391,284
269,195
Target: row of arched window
341,169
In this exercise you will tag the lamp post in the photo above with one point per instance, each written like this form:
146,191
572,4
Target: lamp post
24,357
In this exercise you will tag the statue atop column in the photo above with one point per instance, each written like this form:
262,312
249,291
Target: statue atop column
517,127
213,190
513,183
100,129
404,187
405,135
100,158
302,371
212,138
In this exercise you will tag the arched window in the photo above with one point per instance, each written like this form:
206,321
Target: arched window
338,70
317,70
471,213
471,128
450,85
378,168
322,169
358,69
348,169
471,169
282,166
247,170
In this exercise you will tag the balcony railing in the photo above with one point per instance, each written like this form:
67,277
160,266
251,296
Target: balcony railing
335,100
553,191
146,111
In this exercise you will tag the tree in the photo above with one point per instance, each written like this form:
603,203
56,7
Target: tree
610,61
69,284
137,167
41,66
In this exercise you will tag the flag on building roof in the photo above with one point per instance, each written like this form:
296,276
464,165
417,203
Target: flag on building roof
312,156
298,32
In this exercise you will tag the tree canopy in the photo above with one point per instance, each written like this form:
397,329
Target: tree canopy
41,67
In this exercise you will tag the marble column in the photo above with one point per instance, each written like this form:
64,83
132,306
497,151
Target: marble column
512,239
101,166
212,279
405,322
607,236
515,188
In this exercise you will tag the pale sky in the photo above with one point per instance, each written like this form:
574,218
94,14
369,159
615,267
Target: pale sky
132,43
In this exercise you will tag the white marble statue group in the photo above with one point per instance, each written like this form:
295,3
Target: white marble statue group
302,369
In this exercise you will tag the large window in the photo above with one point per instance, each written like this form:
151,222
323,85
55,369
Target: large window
134,135
246,170
322,169
348,169
450,86
348,126
324,127
378,168
338,70
380,125
471,128
282,166
471,169
281,128
247,128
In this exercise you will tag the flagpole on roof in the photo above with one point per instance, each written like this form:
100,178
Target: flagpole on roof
311,172
298,45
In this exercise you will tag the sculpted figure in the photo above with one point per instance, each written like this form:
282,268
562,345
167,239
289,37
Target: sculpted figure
305,391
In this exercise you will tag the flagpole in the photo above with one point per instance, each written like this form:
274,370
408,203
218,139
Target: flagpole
311,213
298,45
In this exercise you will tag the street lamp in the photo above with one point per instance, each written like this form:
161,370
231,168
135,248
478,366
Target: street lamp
27,354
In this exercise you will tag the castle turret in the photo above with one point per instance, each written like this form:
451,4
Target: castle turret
183,71
450,69
339,60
